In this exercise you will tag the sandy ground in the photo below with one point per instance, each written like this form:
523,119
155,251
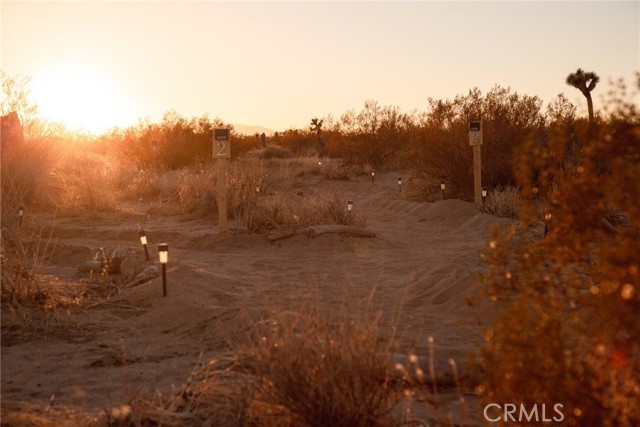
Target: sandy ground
422,262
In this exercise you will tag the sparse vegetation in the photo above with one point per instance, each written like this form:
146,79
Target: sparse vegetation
297,369
567,303
502,202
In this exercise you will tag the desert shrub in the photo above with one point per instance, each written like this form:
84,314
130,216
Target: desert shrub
298,370
307,166
325,373
568,304
196,190
299,142
25,175
84,183
246,177
337,171
283,211
422,188
141,183
439,145
272,152
20,284
502,202
375,136
174,143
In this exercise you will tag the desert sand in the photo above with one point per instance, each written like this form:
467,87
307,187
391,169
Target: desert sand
423,260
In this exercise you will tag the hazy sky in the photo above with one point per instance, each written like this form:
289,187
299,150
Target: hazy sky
278,64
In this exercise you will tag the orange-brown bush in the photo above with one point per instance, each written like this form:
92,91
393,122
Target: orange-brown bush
502,202
440,143
569,303
298,369
375,136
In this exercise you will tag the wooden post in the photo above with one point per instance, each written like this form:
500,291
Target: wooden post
222,154
475,140
222,193
477,175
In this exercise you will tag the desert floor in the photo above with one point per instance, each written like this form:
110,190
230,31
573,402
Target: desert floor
424,259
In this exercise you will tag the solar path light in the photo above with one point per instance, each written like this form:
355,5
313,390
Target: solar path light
163,253
442,187
349,206
373,176
143,242
20,215
484,197
400,185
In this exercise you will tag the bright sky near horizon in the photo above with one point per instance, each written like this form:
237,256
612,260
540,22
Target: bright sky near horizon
278,64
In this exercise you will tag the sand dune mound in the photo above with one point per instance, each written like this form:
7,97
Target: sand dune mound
414,271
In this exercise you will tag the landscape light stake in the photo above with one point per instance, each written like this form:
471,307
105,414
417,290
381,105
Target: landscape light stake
143,241
349,206
442,187
163,253
257,191
484,197
20,215
400,185
373,176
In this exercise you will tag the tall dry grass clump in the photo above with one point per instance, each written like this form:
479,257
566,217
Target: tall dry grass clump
197,188
502,202
323,373
568,304
84,182
287,211
24,179
297,369
262,201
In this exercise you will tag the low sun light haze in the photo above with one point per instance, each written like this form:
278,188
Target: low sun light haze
94,65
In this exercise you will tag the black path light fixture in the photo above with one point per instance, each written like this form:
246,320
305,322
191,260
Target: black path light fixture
163,253
257,191
349,206
373,176
484,197
143,242
20,215
443,185
400,185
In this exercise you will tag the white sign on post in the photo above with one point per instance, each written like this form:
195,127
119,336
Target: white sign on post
221,143
222,154
475,133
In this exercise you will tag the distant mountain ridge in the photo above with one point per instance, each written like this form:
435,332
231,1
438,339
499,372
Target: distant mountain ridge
252,129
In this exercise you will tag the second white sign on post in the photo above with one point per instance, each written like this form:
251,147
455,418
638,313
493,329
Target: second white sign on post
475,132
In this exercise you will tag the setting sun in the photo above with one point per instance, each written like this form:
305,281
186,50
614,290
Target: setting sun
83,97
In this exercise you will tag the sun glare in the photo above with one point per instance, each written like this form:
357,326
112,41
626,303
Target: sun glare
82,97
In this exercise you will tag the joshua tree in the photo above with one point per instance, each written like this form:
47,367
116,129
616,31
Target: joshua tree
585,82
316,125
